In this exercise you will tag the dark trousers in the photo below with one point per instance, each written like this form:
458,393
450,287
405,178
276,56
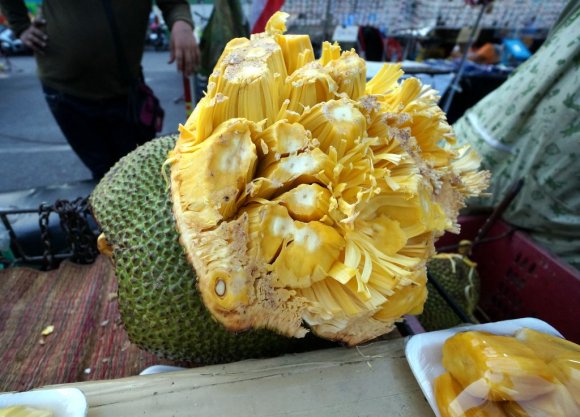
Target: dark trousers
99,131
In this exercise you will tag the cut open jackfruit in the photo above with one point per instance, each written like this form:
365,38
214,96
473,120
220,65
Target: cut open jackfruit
309,198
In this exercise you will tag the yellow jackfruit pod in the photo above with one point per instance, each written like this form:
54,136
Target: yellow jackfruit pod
280,240
561,355
207,116
308,86
307,202
224,163
268,226
310,166
236,43
548,347
316,246
276,25
330,52
567,370
297,51
335,123
498,368
245,85
280,140
350,73
453,401
252,78
24,411
558,403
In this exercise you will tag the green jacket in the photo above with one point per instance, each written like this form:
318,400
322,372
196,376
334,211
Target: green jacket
80,57
226,22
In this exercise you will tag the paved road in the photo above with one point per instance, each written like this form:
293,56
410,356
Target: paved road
33,151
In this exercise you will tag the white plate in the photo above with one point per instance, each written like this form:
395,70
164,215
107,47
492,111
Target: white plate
423,350
63,402
158,369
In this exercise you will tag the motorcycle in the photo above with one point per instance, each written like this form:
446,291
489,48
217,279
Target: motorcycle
157,36
10,44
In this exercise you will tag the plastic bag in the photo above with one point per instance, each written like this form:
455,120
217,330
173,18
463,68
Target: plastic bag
528,374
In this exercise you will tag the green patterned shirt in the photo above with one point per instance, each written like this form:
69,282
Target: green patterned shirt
530,128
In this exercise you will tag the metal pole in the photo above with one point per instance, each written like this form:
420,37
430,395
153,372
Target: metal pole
456,80
449,300
511,194
187,95
327,34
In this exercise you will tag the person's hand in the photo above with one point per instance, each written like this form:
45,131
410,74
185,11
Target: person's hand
35,37
184,49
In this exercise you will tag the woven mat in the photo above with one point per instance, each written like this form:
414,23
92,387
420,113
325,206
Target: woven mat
88,341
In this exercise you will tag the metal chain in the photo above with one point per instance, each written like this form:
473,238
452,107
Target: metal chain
74,221
48,254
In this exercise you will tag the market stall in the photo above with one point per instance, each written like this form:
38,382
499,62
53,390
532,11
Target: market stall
300,248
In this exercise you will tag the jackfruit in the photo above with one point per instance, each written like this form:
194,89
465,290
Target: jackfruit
558,403
305,199
567,370
24,411
548,347
497,368
562,357
458,276
453,401
159,303
309,199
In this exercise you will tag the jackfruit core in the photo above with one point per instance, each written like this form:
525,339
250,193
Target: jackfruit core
309,198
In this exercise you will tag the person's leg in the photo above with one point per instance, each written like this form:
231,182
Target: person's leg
122,135
79,121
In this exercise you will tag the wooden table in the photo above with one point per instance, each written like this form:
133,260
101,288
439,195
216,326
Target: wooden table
373,380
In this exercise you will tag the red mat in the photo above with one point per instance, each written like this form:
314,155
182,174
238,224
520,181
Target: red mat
88,341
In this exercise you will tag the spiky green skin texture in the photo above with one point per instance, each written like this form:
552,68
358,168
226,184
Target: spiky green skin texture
436,313
159,304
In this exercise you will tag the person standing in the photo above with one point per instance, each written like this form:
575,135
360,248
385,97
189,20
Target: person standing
529,128
85,83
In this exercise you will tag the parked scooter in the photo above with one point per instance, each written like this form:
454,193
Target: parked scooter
10,44
157,35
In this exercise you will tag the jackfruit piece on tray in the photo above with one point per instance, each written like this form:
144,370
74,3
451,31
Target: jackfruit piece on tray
453,401
309,199
548,347
567,371
24,411
561,355
498,368
558,403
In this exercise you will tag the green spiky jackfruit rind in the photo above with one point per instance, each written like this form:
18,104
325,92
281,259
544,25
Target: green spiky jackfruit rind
159,304
437,314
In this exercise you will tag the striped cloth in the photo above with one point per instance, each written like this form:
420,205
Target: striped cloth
88,341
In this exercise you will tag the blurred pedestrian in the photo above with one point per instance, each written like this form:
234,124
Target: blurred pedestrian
89,54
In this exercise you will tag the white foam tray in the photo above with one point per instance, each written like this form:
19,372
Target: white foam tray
158,369
63,402
423,350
